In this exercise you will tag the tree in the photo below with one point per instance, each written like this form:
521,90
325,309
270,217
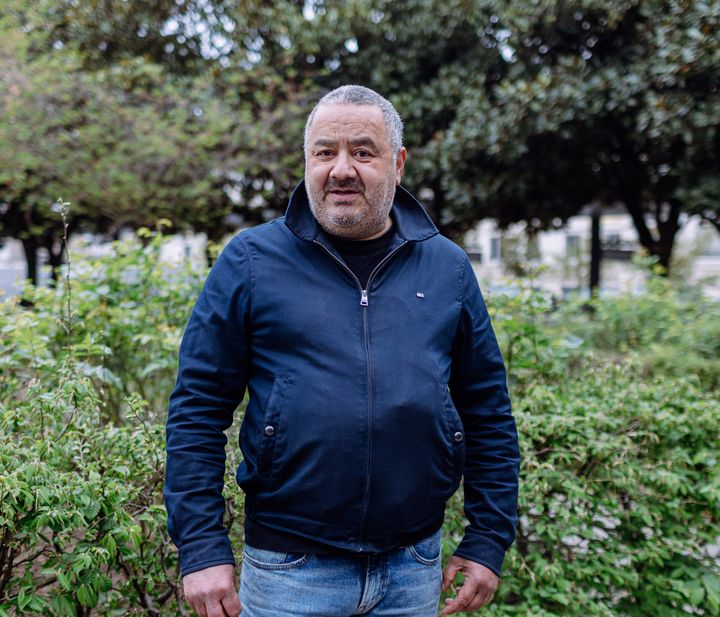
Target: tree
125,145
528,111
638,82
177,35
514,111
616,102
128,136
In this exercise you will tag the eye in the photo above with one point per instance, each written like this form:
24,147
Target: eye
324,153
362,154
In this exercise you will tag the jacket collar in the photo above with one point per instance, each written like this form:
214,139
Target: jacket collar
412,223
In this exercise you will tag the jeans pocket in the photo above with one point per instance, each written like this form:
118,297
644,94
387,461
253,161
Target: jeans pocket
273,560
428,550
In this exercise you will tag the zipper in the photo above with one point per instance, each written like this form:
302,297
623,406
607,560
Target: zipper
364,302
383,261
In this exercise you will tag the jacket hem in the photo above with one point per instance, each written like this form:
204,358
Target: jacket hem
378,543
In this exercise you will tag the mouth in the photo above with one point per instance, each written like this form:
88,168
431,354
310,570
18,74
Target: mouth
343,197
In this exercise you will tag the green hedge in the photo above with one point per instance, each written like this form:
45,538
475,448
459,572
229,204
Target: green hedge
618,408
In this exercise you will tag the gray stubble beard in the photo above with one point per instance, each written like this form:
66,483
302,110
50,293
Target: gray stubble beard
363,224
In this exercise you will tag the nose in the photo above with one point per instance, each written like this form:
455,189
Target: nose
344,167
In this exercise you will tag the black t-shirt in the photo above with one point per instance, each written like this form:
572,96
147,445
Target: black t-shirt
361,256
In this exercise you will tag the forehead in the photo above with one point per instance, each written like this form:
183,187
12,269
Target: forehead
340,121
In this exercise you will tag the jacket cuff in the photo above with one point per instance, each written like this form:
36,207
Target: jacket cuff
483,551
205,553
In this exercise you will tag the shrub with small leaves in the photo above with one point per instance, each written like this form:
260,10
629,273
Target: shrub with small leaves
617,405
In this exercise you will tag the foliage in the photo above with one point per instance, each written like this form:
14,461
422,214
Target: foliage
618,412
619,502
515,111
80,515
127,144
524,111
84,378
128,310
108,33
665,330
125,135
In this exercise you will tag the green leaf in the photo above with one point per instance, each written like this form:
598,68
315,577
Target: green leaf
109,543
83,595
37,604
696,593
21,596
64,581
92,510
711,583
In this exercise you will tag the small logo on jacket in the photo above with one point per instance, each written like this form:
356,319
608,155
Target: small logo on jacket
420,294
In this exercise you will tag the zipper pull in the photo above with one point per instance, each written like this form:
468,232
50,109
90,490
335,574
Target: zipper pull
363,297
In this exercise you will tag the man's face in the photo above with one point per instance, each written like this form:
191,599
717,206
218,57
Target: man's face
349,170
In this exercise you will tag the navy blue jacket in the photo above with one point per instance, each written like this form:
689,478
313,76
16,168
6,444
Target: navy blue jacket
365,408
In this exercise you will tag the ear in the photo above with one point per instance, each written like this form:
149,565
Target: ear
400,164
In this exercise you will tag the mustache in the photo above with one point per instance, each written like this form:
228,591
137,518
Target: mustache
348,184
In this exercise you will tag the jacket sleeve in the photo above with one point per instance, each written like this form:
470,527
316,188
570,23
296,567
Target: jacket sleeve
479,391
210,384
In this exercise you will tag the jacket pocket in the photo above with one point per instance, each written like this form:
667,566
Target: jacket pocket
272,426
455,433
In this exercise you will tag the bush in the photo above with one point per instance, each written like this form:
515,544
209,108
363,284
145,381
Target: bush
84,378
669,331
126,315
619,500
80,517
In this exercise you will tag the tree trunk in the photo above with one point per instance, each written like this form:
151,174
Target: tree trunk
663,250
30,247
667,216
595,253
214,236
54,256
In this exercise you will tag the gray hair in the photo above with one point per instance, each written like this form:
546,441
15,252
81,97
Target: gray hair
360,95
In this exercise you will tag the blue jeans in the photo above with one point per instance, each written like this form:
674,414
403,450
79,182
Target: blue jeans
401,583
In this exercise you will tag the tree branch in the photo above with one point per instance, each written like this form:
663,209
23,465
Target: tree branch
635,210
715,222
8,571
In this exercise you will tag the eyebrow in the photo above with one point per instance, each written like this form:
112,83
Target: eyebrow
363,140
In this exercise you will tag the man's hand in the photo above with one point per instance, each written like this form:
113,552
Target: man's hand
477,589
212,592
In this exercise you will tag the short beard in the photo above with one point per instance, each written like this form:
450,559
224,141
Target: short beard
357,225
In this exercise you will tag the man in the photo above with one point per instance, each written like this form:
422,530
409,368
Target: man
375,382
